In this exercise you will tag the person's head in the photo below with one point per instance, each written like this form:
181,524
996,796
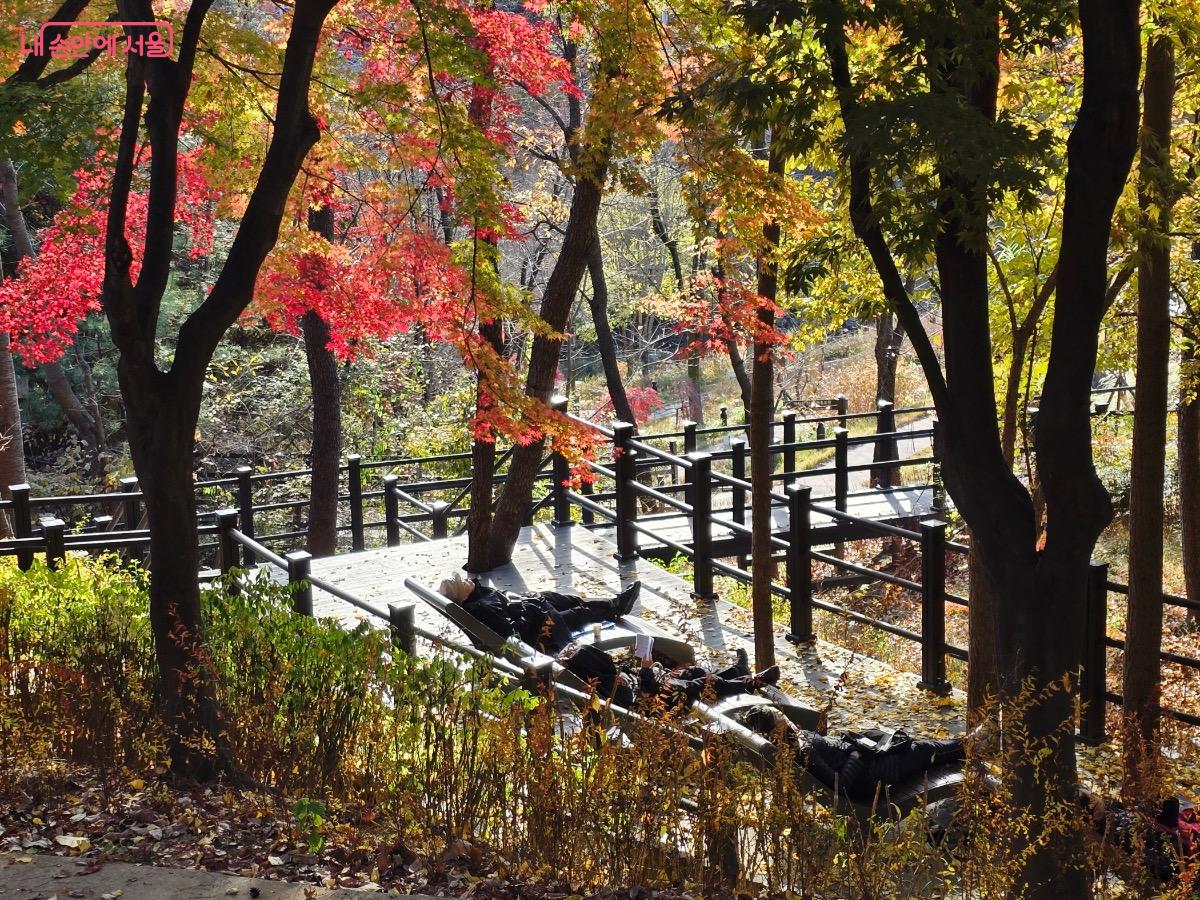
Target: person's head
762,718
456,588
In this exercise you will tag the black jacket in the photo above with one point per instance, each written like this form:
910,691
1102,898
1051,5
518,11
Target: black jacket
532,617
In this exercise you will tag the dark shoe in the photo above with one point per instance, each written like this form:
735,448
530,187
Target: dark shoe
743,658
767,676
624,601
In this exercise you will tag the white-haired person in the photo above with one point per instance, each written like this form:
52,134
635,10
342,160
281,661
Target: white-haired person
543,619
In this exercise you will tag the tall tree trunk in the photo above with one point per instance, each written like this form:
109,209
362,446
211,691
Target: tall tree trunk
762,407
1188,442
604,336
12,438
161,417
326,435
90,428
578,238
889,338
1144,620
745,385
82,419
1099,153
695,396
983,678
483,466
162,408
12,450
326,389
1034,583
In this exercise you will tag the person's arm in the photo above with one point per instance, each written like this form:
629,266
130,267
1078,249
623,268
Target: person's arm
824,759
648,677
490,608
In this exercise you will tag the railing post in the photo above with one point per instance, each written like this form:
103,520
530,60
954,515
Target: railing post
938,487
585,514
933,606
22,523
226,545
52,532
560,474
299,564
789,438
841,464
402,623
439,510
625,469
799,564
246,511
130,508
391,509
1093,686
885,447
737,450
689,438
354,490
700,499
673,449
843,408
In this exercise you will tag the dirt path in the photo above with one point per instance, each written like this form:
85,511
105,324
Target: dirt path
26,877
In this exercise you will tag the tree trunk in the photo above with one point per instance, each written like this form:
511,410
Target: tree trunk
580,235
745,386
762,407
161,417
162,408
604,336
694,395
889,338
326,435
12,450
1034,583
1099,153
1144,621
483,467
326,452
89,429
983,681
1188,438
12,438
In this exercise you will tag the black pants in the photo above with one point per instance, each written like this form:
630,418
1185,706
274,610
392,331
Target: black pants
898,767
599,670
694,682
550,618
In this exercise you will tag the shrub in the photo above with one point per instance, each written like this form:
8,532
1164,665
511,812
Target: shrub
76,663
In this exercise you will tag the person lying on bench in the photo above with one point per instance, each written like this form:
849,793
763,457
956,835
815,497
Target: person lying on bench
543,619
660,688
857,764
687,684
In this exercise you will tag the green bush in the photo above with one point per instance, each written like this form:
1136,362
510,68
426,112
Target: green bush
76,662
293,689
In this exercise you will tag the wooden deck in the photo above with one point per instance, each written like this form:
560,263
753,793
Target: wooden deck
858,691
